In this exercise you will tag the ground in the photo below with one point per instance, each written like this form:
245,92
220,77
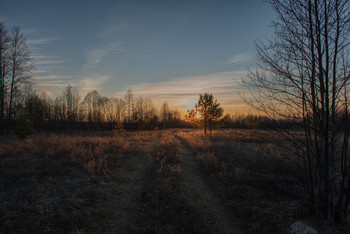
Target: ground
170,181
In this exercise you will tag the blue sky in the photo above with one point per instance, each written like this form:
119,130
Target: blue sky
167,50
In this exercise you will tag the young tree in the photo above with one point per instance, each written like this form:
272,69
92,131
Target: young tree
304,78
72,98
206,112
164,112
91,106
120,106
129,102
24,126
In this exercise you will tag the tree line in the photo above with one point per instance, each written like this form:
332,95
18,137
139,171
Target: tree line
96,112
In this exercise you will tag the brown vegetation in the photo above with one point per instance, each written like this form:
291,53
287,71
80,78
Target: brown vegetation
251,177
152,181
55,183
168,207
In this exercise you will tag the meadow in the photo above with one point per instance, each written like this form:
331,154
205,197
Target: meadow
168,181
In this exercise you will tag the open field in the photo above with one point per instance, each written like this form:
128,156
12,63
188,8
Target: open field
171,181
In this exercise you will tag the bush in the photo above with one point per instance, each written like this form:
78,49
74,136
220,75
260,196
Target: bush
118,128
24,126
252,122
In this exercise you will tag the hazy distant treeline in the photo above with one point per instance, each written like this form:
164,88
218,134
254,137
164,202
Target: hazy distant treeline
72,111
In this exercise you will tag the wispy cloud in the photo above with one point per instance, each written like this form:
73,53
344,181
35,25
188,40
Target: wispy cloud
41,41
39,71
87,84
53,83
56,83
96,56
241,58
52,78
182,93
46,60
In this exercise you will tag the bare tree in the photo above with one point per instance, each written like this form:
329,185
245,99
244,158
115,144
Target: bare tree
149,110
303,77
129,102
4,47
59,109
144,110
91,106
111,113
164,112
139,109
72,99
20,66
120,106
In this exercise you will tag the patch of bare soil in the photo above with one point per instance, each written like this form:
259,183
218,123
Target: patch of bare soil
202,194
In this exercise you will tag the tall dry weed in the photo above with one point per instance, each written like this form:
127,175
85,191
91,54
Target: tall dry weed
97,154
209,161
196,140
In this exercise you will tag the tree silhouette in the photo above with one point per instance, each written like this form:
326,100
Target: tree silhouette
20,67
304,78
206,112
164,112
129,102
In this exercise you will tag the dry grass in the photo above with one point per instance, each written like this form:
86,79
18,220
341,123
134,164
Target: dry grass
67,183
250,176
53,183
95,153
167,207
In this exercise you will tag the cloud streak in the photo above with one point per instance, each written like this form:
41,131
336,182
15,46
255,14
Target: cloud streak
42,60
56,83
95,57
241,58
90,83
41,41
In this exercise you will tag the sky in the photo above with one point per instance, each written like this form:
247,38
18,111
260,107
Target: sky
168,50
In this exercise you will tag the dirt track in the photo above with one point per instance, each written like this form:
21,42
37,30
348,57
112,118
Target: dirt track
132,182
196,184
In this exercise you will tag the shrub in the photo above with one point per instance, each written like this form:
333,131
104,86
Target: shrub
118,128
252,122
24,126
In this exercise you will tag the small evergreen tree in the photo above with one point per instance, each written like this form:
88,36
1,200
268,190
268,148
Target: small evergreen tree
118,128
24,126
207,111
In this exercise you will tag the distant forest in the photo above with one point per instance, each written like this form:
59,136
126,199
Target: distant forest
70,111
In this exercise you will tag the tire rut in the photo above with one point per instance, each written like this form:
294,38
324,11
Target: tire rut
195,182
127,184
